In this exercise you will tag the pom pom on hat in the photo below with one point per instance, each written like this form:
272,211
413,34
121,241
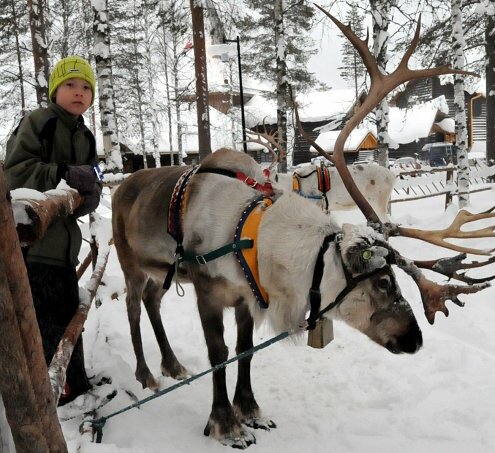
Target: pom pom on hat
71,68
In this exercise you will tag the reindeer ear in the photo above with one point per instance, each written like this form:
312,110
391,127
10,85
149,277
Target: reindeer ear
359,252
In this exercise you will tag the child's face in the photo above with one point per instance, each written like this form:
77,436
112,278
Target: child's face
74,96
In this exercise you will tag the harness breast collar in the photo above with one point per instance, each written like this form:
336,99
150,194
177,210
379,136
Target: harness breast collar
316,313
245,239
324,185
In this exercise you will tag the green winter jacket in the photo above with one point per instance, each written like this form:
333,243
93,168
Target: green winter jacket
33,163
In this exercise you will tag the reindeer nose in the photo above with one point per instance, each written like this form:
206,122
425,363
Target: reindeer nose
411,341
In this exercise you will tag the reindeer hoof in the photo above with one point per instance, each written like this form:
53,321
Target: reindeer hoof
147,381
176,372
236,438
244,440
260,423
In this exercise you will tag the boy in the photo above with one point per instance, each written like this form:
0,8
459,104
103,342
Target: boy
53,143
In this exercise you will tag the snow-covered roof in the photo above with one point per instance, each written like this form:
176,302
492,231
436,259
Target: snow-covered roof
322,105
447,125
472,85
326,140
313,107
405,125
220,132
409,125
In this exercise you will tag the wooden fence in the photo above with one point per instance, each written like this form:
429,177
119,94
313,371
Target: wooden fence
414,184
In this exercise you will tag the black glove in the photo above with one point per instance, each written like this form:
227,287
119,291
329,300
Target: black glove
90,201
81,177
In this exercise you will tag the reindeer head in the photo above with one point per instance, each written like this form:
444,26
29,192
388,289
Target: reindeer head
375,305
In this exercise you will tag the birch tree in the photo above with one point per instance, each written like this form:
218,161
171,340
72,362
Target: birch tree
40,49
479,52
149,13
104,75
70,26
458,44
380,11
278,48
281,57
214,23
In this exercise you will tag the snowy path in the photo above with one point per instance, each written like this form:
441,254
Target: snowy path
352,396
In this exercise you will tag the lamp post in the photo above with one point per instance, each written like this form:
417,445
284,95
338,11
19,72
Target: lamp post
241,92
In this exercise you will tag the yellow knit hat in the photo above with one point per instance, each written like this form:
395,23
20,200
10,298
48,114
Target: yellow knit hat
71,68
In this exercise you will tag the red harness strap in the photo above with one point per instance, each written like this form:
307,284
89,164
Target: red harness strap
265,188
323,179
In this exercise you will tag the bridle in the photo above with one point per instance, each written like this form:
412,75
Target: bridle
316,312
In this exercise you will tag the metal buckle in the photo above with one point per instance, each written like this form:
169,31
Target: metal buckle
200,259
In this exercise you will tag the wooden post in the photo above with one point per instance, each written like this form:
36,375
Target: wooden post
203,113
18,283
15,380
84,265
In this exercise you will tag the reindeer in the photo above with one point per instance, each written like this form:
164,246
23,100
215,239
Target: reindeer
306,262
323,184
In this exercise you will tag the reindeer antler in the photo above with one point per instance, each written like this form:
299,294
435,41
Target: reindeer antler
454,231
270,137
433,295
303,133
453,266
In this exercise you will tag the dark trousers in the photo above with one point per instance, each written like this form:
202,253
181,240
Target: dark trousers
55,293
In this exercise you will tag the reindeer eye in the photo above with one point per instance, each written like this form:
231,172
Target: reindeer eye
383,284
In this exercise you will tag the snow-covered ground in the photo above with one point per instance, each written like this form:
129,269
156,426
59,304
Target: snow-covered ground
351,396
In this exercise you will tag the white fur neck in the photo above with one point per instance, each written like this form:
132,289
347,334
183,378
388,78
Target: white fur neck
291,220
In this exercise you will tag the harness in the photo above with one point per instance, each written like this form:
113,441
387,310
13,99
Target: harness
265,188
248,258
244,247
324,185
316,313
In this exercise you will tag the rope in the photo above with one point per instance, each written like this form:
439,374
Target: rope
99,423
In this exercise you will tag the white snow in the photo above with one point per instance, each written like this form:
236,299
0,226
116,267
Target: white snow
313,106
352,396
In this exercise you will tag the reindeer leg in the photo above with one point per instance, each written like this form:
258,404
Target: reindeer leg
222,424
152,297
135,286
245,406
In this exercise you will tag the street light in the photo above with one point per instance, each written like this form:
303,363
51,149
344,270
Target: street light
241,92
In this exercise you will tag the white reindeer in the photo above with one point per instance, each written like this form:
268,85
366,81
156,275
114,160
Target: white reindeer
374,181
